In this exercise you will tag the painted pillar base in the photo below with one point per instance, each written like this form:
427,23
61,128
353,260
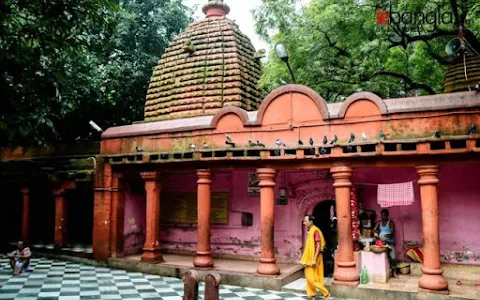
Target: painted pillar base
203,260
152,255
268,267
432,281
346,274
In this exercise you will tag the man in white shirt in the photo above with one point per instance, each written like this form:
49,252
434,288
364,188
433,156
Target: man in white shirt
20,259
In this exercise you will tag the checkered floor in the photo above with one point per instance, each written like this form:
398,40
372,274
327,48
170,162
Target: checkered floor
60,280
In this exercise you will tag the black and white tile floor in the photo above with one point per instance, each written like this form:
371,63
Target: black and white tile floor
61,280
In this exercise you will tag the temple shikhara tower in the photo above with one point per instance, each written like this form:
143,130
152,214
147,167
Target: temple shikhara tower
209,66
215,177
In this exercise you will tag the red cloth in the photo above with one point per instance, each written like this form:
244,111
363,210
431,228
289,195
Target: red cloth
316,236
396,194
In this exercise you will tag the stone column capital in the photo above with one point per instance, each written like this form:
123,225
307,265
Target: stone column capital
204,176
267,177
150,176
341,176
118,175
58,192
25,191
428,174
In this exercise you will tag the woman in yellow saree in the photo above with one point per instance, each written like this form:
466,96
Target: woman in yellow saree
312,259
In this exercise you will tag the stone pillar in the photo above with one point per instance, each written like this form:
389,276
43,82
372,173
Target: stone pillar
26,215
432,279
151,250
346,271
61,221
267,264
203,258
118,208
102,211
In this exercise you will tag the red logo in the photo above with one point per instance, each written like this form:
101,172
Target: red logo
382,16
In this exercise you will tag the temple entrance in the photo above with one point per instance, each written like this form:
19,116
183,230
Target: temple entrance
42,214
321,212
80,216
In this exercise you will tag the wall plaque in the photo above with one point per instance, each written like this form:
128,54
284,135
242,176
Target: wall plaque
182,208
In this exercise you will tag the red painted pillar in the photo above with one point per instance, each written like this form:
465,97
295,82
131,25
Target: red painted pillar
151,250
268,265
118,207
204,257
345,272
432,279
102,211
61,221
26,215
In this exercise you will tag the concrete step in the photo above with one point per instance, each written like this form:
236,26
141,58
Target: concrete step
298,286
404,288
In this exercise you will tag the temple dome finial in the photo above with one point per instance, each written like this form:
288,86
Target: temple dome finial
216,8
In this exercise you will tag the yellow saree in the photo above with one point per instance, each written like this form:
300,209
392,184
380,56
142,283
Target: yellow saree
314,274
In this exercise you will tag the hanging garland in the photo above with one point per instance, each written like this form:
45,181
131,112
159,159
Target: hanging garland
355,219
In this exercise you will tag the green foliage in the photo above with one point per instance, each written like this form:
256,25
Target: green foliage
63,63
336,47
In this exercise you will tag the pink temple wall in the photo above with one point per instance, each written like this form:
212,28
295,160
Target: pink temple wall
134,222
458,196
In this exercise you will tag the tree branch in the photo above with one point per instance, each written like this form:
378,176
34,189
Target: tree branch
334,46
408,80
454,5
442,60
406,39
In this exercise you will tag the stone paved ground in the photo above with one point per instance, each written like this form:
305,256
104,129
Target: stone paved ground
61,280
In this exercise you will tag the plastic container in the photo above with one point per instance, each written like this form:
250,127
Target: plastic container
364,276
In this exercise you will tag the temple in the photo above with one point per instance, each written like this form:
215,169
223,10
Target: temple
216,177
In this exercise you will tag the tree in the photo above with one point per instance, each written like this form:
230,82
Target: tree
63,63
337,47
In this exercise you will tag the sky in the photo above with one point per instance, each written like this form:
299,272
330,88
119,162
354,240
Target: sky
240,12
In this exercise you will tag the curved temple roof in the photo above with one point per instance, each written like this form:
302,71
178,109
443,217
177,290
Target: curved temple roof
209,66
331,111
294,123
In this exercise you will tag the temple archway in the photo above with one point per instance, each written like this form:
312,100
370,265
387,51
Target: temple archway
321,212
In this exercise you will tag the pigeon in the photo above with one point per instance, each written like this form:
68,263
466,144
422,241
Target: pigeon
352,138
300,142
325,140
311,142
260,144
229,138
382,135
334,140
277,152
251,144
472,129
206,146
364,136
193,146
323,151
279,143
139,149
438,134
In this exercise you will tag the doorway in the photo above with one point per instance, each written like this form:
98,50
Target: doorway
80,216
321,212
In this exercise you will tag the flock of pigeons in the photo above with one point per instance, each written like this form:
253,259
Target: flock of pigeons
229,141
